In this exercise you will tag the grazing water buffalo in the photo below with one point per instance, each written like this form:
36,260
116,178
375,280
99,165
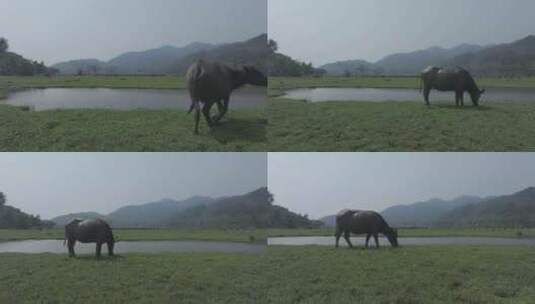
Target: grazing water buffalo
89,231
212,83
369,223
457,80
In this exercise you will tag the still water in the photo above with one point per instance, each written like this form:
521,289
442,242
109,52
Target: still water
123,99
56,246
381,95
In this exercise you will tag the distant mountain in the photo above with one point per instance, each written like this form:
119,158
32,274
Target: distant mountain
253,52
426,213
252,210
410,63
516,58
173,60
156,60
154,214
83,66
283,65
515,210
413,63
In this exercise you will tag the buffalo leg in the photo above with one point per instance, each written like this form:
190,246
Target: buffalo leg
348,240
376,238
456,99
461,95
99,249
195,105
225,109
338,234
427,91
368,240
206,112
110,248
71,247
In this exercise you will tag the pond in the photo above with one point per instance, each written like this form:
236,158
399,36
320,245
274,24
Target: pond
123,99
56,246
360,241
397,95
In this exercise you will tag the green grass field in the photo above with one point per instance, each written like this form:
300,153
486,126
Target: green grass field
258,235
110,131
129,131
399,126
281,275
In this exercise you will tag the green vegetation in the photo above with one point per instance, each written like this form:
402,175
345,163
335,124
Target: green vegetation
445,274
116,82
257,235
140,130
399,126
277,85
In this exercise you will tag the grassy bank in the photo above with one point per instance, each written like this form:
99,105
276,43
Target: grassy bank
259,235
140,130
399,126
277,85
125,82
281,275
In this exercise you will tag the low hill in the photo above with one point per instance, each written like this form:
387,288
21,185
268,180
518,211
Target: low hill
252,210
515,210
516,58
282,65
173,60
352,68
12,64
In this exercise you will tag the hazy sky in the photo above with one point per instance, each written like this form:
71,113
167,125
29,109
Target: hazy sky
325,31
62,30
51,184
321,184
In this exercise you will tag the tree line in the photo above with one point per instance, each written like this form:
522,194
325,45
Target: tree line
13,218
12,64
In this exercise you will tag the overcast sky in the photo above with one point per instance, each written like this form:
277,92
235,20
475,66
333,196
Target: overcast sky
51,184
321,184
60,30
326,31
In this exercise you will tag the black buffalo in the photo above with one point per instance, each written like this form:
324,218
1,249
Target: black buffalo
89,231
456,80
369,223
212,83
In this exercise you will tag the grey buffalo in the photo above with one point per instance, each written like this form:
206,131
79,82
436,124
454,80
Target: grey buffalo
212,83
456,80
89,231
368,223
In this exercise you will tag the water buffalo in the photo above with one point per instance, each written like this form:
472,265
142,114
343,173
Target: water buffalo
89,231
212,83
369,223
457,80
